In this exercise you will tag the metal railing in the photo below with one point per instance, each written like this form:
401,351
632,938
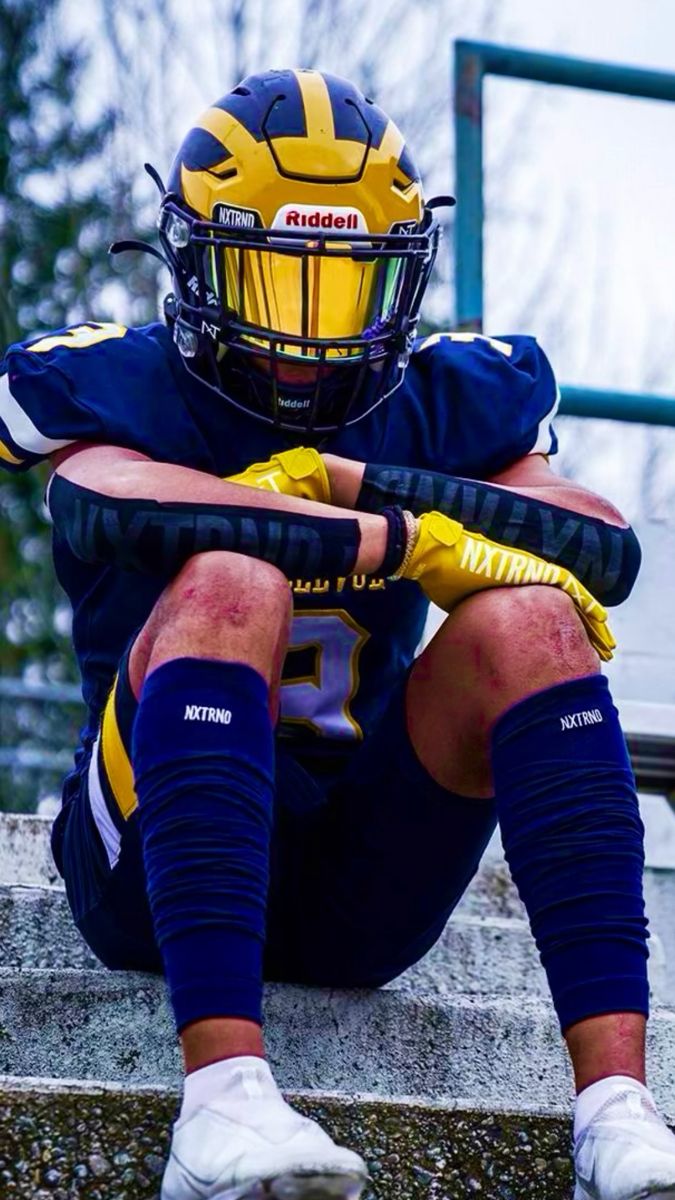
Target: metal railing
57,693
650,734
473,61
30,757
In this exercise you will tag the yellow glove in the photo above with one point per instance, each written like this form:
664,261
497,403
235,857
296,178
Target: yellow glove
450,563
298,472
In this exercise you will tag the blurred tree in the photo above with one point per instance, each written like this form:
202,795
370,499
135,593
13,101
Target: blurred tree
59,208
53,214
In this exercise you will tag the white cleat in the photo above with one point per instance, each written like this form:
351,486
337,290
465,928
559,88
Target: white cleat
249,1144
626,1152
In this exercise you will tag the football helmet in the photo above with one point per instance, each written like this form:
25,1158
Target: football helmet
300,247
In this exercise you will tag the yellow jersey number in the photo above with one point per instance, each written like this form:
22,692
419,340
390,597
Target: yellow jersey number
496,343
78,337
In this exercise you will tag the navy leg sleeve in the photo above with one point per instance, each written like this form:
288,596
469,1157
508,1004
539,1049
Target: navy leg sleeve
573,838
203,760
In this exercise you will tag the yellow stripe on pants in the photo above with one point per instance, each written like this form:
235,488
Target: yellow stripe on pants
116,760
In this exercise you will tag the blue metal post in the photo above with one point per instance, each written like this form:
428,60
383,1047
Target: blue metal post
570,72
469,218
617,406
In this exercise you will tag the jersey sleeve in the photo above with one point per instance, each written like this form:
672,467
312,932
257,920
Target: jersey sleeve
99,382
53,393
488,401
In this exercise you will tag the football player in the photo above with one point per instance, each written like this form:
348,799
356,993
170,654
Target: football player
253,503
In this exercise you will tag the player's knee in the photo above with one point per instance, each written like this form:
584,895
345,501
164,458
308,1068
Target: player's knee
514,623
231,589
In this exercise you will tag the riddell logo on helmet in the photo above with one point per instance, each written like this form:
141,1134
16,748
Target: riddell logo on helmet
287,402
320,217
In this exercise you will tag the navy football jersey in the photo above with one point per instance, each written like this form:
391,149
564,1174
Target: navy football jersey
469,406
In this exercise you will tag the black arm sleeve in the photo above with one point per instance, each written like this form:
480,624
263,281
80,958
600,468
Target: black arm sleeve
158,538
605,558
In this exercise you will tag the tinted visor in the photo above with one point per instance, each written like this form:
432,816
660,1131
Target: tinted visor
327,293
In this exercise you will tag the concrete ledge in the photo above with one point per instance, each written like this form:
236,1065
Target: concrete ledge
475,954
25,856
26,861
26,864
37,930
497,956
492,893
482,1052
479,955
118,1027
59,1141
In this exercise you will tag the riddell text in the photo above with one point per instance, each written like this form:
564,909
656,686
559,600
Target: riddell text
317,220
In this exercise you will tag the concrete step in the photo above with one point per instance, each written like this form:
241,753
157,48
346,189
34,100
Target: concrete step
483,956
37,930
26,861
492,893
487,1052
489,1077
97,1141
446,1097
497,956
475,955
486,947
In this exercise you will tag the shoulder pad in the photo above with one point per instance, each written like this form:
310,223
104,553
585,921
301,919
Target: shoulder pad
75,384
492,398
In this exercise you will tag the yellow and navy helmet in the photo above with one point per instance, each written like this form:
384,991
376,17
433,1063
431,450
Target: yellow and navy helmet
300,248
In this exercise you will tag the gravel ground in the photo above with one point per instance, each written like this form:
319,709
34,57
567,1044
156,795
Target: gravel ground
61,1144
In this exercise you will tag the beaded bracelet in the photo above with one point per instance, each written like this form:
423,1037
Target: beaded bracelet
411,535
